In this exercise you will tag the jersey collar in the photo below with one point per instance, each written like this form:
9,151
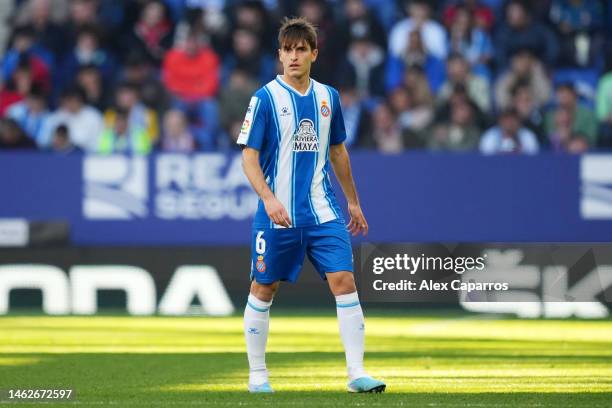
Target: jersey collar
288,87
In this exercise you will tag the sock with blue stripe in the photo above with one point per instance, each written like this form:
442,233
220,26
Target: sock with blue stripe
352,331
256,323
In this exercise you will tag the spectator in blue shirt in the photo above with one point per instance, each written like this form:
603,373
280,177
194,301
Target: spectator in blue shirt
31,114
24,47
88,51
470,41
521,31
415,55
578,24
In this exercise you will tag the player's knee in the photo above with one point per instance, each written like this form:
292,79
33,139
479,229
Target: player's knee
348,283
264,292
342,283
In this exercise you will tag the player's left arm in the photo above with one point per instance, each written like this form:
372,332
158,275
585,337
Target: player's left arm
339,158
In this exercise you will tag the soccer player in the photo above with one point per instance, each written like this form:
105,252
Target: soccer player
292,131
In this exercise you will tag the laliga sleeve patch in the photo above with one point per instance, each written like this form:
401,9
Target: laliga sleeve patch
247,124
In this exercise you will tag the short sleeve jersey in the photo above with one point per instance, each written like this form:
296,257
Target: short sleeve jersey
293,133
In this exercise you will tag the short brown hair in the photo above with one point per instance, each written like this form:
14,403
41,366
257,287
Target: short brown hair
295,30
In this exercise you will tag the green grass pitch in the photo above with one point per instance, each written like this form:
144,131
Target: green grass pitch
427,361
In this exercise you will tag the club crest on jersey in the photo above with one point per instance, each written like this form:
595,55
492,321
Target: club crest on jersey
260,265
325,111
305,139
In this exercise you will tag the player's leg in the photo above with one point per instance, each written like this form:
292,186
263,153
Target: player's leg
256,326
350,321
331,253
277,255
352,331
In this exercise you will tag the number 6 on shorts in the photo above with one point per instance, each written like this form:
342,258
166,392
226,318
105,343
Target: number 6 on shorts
260,243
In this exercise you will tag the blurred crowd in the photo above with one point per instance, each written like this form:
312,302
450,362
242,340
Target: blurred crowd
136,76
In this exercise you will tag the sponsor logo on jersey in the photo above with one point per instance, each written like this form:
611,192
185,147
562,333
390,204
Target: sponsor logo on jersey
260,265
305,139
285,111
325,110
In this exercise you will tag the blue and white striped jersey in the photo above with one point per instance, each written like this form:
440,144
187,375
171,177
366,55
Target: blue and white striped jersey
293,133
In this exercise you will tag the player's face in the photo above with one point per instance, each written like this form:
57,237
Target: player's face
297,59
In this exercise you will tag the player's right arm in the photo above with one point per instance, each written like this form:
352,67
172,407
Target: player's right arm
252,138
275,210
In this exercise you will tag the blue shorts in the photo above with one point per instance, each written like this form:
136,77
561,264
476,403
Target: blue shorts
277,254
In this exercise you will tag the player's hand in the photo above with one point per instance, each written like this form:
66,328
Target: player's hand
358,223
277,212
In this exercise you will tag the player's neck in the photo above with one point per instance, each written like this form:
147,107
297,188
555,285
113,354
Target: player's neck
300,84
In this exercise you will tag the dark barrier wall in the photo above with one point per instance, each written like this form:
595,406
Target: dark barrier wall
420,197
527,280
70,276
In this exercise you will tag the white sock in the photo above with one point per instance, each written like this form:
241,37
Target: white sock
352,331
256,323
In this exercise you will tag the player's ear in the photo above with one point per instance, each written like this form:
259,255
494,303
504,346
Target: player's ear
315,53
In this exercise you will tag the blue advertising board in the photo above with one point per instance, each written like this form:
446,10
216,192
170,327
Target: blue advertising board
204,199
